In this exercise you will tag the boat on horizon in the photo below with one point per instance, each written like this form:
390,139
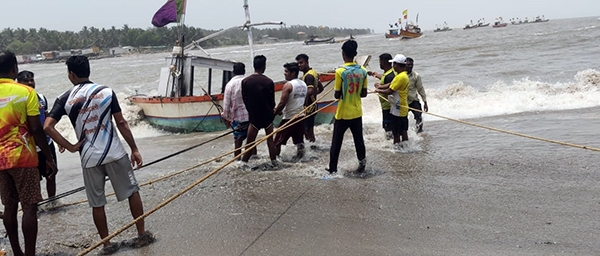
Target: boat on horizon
312,40
411,30
499,23
178,108
442,28
480,23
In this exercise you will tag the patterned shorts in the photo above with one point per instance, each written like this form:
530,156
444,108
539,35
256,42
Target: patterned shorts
20,185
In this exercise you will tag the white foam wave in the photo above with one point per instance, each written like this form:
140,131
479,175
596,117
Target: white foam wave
461,101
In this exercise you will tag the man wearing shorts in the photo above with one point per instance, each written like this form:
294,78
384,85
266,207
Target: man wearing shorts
91,108
20,131
27,78
258,93
311,78
234,110
398,95
384,80
291,106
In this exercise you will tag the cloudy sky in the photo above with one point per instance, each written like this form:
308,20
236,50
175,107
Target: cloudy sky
215,14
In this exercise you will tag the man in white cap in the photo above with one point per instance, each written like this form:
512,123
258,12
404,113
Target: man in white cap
398,98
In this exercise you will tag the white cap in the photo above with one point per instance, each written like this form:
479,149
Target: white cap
399,58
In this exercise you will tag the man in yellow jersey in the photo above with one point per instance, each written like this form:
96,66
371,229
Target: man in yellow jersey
311,78
350,86
20,126
384,80
416,86
398,98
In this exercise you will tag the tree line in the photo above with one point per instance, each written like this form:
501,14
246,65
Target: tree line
28,41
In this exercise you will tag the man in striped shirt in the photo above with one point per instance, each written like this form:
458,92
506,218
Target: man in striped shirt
234,113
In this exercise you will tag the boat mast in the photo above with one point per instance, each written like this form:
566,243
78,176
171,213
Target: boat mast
247,26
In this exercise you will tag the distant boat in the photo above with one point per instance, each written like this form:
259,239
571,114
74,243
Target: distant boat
537,19
480,23
499,23
443,28
410,31
314,40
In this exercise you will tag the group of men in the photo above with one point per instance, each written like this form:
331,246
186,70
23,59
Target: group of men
249,106
249,103
398,88
25,123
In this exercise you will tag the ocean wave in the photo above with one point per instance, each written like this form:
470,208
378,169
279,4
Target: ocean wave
462,101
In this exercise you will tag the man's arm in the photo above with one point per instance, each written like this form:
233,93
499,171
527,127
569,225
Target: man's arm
364,91
421,91
123,126
338,85
285,95
310,91
50,130
310,80
35,128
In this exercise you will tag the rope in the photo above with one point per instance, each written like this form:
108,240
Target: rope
189,187
54,198
500,130
195,166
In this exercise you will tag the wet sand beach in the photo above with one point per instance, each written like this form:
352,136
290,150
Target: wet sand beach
461,191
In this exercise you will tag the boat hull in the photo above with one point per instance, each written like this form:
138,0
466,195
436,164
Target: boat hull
201,114
405,34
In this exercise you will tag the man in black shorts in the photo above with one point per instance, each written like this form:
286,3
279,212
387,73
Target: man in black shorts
291,106
258,93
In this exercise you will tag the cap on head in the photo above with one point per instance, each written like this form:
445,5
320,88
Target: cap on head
399,58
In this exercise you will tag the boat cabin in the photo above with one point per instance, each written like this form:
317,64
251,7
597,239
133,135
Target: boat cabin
180,83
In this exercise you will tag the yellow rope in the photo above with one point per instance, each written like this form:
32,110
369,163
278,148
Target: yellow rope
189,187
500,130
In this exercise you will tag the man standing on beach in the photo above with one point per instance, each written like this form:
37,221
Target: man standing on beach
384,80
350,86
416,85
258,93
291,105
91,108
27,78
20,131
398,91
234,110
311,78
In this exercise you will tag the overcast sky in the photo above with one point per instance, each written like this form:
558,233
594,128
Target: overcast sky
215,14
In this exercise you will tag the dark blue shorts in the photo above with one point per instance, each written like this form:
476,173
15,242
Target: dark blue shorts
240,130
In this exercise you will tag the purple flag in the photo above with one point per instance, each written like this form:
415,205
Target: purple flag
166,14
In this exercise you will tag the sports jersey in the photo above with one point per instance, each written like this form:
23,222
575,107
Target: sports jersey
398,99
350,79
17,146
90,107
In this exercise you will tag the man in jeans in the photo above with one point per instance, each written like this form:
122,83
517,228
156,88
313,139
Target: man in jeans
234,110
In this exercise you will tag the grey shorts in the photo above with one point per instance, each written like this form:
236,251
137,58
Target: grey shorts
121,177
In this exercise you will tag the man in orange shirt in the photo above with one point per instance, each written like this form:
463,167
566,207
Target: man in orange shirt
20,126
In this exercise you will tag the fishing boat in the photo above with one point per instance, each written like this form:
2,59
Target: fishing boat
179,108
411,30
442,28
499,23
480,23
315,40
